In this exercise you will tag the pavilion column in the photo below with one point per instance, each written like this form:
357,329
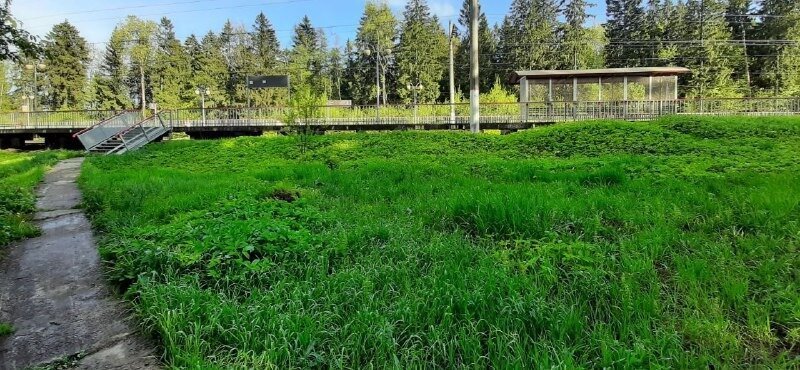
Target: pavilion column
625,88
650,89
599,89
524,98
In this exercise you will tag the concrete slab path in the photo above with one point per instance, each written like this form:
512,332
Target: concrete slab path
53,293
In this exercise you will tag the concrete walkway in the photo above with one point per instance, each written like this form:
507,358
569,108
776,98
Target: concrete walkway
52,291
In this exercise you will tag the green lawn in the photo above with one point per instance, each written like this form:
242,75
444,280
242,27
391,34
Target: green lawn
20,172
670,244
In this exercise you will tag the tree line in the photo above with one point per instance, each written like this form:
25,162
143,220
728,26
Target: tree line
735,48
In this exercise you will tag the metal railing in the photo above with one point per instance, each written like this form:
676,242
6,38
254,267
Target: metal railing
419,115
109,128
55,120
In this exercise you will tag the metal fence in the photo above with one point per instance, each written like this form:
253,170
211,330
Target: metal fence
422,114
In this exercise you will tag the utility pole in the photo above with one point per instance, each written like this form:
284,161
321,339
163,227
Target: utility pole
451,28
474,79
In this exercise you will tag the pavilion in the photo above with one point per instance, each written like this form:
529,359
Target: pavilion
644,84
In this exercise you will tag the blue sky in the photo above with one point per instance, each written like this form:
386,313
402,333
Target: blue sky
96,18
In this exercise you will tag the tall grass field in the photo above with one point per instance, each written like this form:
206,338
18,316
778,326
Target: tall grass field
667,244
20,172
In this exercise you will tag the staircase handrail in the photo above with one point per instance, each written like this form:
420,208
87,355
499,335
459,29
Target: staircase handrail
100,123
133,126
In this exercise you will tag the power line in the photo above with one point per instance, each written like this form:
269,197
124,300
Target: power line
119,8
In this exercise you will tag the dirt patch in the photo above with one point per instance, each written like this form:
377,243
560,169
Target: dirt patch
285,195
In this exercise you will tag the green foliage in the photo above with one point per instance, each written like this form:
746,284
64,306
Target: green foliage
421,54
626,21
19,175
6,329
14,41
667,244
67,62
376,32
487,47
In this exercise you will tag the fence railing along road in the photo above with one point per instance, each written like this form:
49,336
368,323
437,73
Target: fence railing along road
421,115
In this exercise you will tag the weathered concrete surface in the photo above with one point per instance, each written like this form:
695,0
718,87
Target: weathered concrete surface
52,291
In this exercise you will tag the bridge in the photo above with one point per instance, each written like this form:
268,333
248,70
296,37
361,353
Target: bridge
59,128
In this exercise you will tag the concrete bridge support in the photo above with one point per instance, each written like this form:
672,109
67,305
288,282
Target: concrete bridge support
61,141
14,141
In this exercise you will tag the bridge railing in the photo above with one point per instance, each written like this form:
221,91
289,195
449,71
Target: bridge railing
422,114
75,119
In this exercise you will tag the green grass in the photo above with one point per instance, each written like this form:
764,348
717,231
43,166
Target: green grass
6,329
670,244
20,172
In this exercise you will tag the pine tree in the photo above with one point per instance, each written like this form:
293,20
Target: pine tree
529,36
209,68
487,51
578,50
172,70
67,59
781,20
308,58
110,91
421,54
626,33
266,59
265,45
373,46
741,27
335,67
709,57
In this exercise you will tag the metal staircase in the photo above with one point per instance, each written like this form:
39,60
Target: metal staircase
122,133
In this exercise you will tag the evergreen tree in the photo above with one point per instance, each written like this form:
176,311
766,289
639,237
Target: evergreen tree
209,68
265,45
709,56
421,54
67,59
741,27
110,91
308,58
626,32
789,61
172,70
487,44
577,49
266,58
529,36
780,22
336,67
373,46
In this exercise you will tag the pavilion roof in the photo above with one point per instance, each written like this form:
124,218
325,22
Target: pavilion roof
604,72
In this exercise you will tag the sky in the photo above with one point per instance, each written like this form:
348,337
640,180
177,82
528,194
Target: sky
95,19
